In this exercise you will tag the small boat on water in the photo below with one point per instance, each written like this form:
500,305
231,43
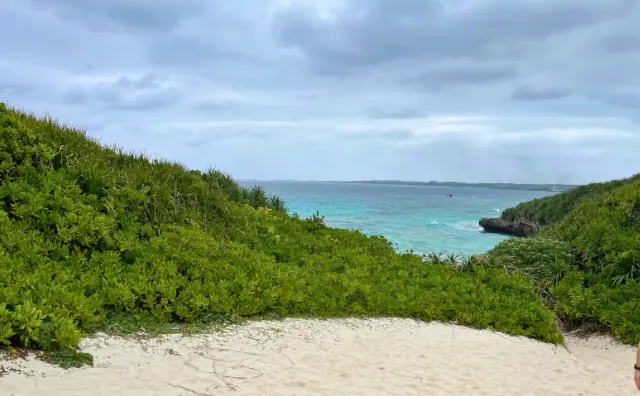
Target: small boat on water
449,195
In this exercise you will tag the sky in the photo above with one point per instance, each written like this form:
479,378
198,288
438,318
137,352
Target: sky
532,91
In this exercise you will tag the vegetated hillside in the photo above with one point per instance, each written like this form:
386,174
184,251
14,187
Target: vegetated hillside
548,210
93,237
588,261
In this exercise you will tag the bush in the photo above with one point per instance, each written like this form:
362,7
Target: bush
92,235
549,210
543,260
598,245
255,196
583,299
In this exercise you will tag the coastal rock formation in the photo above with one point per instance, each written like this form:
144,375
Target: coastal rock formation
517,227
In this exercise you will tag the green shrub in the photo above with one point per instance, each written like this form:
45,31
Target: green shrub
6,325
90,236
598,244
584,299
549,210
255,196
542,259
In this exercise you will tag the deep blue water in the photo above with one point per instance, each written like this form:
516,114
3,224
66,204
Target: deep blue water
412,217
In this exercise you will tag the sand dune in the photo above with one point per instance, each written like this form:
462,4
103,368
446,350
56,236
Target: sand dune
335,357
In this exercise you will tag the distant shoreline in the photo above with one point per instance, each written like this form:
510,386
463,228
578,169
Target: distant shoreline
491,186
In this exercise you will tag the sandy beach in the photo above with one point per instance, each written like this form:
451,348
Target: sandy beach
333,357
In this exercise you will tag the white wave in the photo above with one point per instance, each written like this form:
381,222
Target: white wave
497,210
434,223
469,225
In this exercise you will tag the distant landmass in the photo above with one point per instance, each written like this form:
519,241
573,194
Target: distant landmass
494,186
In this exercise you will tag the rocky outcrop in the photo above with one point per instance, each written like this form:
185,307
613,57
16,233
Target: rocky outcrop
518,227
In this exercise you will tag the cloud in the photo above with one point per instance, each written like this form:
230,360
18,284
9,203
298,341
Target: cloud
139,94
399,134
14,88
625,100
531,93
366,33
408,112
215,105
492,90
124,15
206,137
461,73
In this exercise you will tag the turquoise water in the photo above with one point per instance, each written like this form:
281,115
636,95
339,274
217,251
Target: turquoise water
420,218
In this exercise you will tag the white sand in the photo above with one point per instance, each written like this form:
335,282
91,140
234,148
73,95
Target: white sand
335,357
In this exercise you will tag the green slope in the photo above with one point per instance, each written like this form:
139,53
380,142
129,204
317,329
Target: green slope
91,236
550,209
588,259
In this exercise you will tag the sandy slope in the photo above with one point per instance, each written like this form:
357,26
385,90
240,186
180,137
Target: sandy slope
335,357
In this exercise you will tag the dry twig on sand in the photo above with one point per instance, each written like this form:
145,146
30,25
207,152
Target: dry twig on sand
189,390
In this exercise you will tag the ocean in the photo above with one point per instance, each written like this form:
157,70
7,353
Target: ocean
418,218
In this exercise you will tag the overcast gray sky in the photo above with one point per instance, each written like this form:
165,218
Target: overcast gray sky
467,90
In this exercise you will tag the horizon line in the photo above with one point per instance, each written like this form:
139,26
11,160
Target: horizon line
402,181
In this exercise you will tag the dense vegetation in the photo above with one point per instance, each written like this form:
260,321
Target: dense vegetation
587,259
549,210
91,236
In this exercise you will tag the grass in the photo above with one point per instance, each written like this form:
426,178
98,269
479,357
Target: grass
146,325
68,358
